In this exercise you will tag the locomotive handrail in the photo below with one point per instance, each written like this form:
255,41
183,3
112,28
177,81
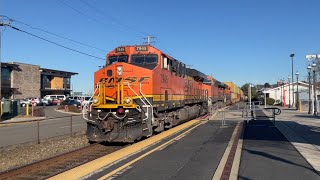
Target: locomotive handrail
84,110
152,118
139,98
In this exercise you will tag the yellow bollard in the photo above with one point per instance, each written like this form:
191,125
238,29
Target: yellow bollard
27,109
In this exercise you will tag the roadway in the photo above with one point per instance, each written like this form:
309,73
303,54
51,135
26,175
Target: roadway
58,125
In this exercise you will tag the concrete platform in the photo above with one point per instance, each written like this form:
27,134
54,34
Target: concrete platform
267,154
303,131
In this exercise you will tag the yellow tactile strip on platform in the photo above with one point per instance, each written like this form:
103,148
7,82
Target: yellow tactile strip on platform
85,169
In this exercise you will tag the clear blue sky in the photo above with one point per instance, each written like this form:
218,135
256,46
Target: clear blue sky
239,41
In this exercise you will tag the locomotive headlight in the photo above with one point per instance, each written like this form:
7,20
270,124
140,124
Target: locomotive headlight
95,100
127,100
119,70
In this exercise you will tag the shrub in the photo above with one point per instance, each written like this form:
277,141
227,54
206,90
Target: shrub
71,108
271,101
74,109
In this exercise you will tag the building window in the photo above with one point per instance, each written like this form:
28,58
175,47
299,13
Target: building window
46,82
5,78
66,83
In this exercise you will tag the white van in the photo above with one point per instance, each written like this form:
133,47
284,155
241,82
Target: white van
60,97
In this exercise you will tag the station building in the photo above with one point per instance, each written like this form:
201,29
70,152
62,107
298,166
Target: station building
281,94
20,80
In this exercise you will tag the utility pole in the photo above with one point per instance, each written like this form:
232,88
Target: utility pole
148,38
2,24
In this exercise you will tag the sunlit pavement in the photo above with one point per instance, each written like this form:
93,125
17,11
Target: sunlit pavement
267,154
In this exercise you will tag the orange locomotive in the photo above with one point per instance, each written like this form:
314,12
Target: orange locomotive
141,91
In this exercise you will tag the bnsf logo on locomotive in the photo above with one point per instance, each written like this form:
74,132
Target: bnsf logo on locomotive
128,79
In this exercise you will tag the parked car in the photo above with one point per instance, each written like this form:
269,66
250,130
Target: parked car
71,102
45,102
55,101
24,102
85,100
73,98
37,101
60,97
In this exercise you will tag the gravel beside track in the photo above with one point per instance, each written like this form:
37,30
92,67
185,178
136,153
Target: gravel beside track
19,155
50,158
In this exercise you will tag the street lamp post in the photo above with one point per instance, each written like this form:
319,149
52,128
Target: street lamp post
292,55
297,101
281,92
309,79
289,91
315,111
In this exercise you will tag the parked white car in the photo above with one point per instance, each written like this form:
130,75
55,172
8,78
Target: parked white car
24,102
51,97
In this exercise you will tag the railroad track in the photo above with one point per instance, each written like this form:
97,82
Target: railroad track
57,164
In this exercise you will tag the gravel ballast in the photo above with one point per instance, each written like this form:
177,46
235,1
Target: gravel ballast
15,156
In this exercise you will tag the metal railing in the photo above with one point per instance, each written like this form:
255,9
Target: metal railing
37,122
250,114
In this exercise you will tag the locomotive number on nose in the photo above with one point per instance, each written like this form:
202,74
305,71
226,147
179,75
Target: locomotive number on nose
120,49
141,48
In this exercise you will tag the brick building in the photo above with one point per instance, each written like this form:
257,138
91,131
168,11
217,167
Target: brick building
19,80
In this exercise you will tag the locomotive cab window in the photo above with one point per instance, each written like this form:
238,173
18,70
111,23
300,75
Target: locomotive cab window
148,61
114,59
165,63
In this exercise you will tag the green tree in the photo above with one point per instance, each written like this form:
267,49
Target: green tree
267,85
254,93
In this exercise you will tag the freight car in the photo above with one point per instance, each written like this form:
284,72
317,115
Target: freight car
142,90
216,90
235,92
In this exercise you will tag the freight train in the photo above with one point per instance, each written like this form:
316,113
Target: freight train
142,91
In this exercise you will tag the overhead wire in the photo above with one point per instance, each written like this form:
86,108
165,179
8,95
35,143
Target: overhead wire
57,44
107,15
91,18
57,35
168,52
112,18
